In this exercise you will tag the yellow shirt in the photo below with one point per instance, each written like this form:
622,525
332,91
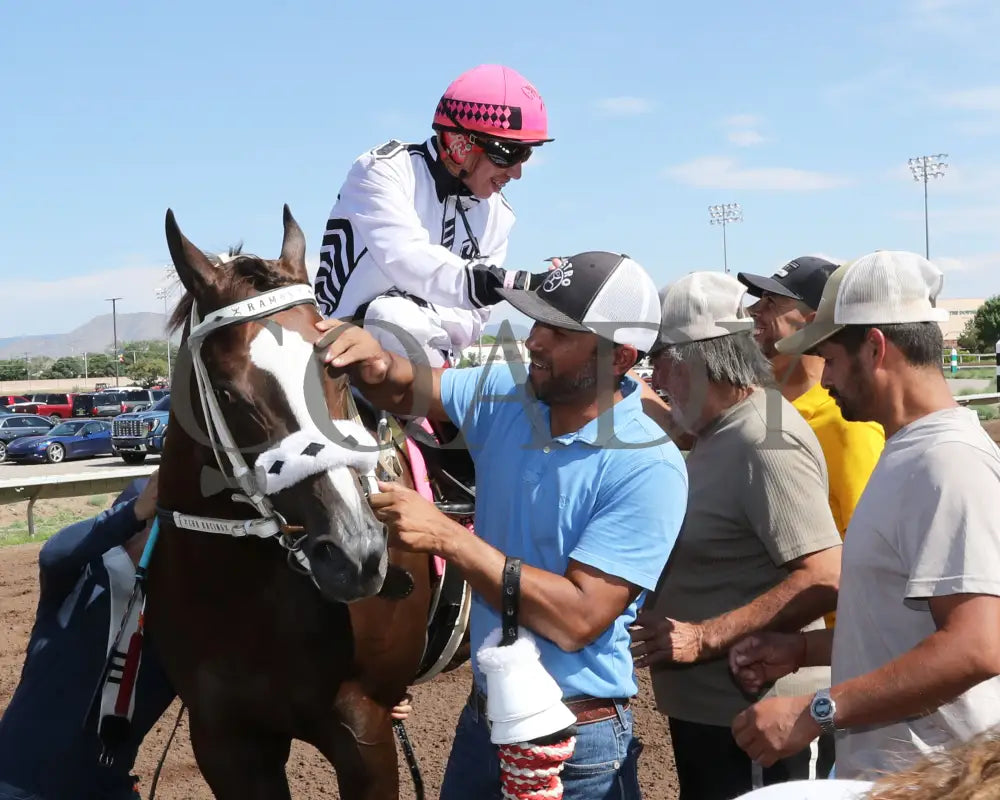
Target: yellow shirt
851,450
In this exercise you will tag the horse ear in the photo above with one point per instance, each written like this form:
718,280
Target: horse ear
293,246
194,269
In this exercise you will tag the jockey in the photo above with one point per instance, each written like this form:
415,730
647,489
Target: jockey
418,235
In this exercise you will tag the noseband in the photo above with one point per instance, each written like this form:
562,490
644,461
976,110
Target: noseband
303,453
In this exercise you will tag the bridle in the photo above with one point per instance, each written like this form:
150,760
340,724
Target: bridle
253,483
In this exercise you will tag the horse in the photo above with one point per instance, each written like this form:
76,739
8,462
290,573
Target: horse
283,628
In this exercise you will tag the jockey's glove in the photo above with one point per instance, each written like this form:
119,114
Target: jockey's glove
485,280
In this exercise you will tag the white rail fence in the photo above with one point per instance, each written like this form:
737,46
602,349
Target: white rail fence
49,487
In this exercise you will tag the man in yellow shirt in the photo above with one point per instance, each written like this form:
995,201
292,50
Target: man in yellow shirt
787,302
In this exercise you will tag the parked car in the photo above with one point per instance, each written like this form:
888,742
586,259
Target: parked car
10,399
17,426
77,438
98,404
55,406
140,399
136,435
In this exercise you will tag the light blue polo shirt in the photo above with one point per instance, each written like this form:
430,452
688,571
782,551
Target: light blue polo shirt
611,495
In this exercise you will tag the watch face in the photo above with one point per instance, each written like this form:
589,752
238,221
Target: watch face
822,707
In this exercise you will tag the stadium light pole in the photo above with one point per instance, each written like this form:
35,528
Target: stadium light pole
163,293
924,168
114,327
722,215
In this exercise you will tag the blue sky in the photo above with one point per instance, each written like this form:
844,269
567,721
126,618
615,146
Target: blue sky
805,113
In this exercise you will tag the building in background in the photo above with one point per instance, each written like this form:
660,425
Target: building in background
960,311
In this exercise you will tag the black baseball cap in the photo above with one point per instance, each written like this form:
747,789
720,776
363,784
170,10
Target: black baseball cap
604,293
802,278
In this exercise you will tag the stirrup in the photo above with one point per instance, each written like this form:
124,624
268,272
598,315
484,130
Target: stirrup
456,509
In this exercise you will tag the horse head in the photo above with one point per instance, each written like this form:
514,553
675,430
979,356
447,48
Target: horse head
267,415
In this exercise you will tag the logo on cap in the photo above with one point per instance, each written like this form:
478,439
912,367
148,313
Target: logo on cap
560,276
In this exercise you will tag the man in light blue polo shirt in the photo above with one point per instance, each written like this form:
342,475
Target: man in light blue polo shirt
573,479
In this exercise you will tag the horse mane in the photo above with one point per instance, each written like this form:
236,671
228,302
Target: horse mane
244,272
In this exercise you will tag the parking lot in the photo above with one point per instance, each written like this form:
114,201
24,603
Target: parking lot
82,467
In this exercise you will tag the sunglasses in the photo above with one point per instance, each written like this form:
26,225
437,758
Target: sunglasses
502,154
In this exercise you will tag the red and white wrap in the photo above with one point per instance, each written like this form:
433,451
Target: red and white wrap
531,771
524,704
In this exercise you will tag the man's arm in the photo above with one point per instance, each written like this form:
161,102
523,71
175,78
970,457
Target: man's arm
962,652
388,380
809,591
571,610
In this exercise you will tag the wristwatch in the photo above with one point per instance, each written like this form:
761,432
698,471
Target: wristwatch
822,709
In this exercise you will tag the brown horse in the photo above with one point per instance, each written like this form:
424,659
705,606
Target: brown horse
260,650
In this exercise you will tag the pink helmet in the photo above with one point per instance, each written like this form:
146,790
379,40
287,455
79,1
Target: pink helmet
495,101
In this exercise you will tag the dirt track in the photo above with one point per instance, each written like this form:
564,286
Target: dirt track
430,728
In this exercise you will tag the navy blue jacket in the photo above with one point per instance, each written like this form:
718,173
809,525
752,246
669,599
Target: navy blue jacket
49,747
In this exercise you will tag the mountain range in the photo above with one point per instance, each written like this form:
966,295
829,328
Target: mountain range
97,336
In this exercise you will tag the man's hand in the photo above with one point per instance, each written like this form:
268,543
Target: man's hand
145,504
347,345
403,708
661,640
775,728
414,523
762,658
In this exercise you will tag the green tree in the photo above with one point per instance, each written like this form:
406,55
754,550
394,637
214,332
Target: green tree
13,370
147,371
65,367
983,330
100,366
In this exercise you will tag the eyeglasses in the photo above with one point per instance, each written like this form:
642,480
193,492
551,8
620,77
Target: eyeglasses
503,154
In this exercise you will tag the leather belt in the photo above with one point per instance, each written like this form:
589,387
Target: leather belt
587,709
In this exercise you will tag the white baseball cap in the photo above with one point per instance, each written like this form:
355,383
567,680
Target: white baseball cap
702,305
882,288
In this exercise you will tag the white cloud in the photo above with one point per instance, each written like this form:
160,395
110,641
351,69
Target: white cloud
742,130
742,121
981,98
717,172
745,138
624,106
963,20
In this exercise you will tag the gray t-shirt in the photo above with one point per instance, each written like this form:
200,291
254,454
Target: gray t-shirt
758,498
926,526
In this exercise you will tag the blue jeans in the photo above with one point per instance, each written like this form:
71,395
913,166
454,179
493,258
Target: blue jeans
604,766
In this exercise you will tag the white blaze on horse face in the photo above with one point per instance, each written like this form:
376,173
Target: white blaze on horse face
288,361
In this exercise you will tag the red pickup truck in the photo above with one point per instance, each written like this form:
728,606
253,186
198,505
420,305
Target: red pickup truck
51,405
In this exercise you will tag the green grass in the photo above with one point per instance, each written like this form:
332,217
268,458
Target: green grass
45,526
978,374
49,522
987,412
